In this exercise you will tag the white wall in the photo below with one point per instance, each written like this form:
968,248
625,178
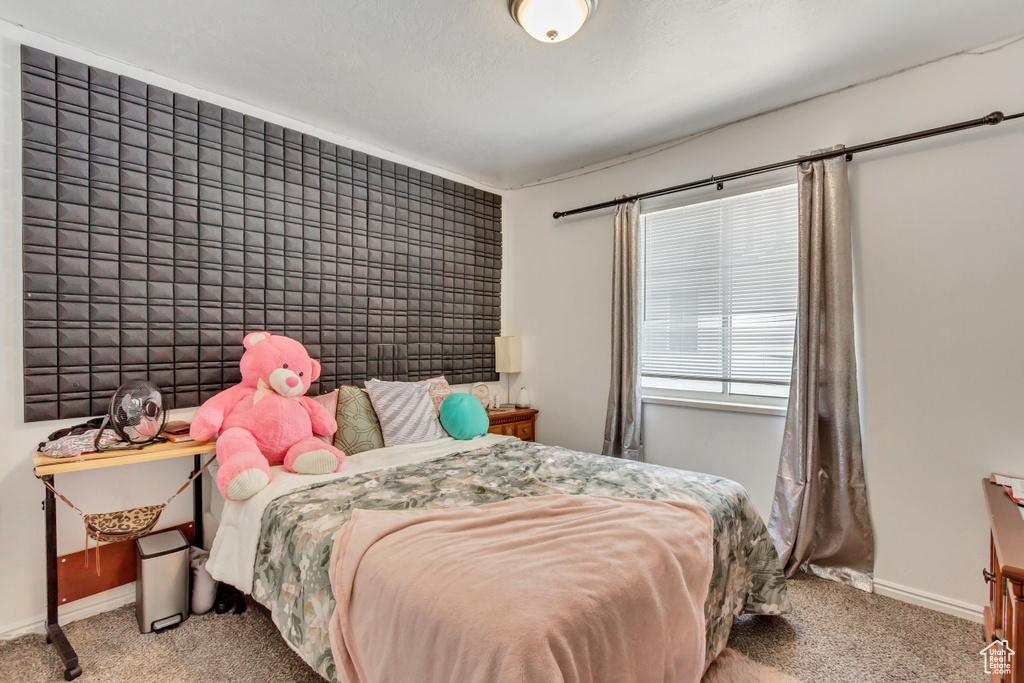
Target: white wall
22,565
939,268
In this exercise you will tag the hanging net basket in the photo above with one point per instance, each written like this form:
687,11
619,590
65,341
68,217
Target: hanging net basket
122,525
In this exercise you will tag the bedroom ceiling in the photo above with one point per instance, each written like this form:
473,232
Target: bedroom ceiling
458,85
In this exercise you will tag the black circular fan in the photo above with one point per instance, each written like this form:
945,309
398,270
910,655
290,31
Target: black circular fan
136,414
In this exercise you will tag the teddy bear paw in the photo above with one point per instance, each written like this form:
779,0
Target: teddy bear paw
247,484
317,461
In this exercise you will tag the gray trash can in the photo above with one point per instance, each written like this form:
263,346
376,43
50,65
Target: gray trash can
161,581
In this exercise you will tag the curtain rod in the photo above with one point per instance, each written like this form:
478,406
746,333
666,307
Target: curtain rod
989,120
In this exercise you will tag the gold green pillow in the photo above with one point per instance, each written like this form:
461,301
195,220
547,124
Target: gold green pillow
358,426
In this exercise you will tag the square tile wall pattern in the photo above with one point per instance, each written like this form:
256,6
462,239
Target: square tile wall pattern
159,229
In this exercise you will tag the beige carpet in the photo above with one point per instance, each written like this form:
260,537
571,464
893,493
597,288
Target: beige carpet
840,635
836,635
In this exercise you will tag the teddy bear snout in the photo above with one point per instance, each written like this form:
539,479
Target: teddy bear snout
285,382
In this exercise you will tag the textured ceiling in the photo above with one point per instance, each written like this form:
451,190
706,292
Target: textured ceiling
456,84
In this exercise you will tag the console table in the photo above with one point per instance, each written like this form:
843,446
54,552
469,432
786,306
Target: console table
1004,615
45,468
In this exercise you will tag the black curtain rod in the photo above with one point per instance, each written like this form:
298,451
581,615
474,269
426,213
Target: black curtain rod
990,120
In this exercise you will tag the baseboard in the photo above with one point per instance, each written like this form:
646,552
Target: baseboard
938,603
79,609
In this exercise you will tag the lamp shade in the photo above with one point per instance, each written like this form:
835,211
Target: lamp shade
508,354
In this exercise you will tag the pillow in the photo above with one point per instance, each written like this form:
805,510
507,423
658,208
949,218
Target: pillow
439,391
405,412
329,401
358,428
464,417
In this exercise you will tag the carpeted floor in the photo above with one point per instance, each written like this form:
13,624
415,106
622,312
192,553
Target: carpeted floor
835,635
838,634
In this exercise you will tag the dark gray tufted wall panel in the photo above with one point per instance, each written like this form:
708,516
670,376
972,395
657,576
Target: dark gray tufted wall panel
158,229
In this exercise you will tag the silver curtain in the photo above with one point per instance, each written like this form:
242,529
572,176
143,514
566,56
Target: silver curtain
820,521
622,425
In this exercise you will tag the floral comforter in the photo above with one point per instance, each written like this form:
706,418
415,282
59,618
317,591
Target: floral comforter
291,571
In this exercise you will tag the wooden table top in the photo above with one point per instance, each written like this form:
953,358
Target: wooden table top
43,464
511,412
1007,530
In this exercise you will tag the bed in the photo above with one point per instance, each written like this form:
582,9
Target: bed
277,546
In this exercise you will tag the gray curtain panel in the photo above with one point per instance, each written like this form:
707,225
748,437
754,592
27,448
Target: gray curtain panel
820,521
622,425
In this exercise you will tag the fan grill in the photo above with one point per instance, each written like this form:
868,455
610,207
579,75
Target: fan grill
137,413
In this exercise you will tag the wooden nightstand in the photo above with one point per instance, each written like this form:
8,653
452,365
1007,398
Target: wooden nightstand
519,422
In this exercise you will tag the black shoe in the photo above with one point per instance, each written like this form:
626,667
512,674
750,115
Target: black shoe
225,599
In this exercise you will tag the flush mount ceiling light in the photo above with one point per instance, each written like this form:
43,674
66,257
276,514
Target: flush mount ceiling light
551,21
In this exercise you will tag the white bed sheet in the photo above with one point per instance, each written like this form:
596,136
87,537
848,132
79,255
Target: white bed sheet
238,534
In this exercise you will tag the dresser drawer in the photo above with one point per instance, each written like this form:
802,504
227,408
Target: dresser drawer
505,429
519,423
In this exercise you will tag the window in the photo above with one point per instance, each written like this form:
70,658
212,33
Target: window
719,299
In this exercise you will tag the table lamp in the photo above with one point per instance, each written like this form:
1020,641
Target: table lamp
508,358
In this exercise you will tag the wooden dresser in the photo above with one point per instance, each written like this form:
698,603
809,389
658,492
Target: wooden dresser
519,422
1004,616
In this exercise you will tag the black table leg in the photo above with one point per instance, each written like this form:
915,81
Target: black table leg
197,501
54,633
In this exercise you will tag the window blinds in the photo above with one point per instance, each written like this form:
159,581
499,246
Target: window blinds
720,289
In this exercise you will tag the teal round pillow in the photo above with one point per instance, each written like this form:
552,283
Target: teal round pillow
464,417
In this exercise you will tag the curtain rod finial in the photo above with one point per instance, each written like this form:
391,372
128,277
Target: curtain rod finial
558,214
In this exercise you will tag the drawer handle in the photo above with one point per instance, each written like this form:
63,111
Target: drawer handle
989,576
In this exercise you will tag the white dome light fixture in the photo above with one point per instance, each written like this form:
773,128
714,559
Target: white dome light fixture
551,21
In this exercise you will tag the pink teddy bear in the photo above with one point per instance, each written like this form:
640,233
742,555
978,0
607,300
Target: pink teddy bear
266,420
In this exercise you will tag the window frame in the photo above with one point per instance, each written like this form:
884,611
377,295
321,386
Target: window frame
724,400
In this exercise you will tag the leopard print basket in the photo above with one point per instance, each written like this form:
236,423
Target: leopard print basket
122,525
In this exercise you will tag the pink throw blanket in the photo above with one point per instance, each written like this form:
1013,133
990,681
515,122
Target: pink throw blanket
550,588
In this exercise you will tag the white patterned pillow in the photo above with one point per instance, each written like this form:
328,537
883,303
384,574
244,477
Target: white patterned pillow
405,411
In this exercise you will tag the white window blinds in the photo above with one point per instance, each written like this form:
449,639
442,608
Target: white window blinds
720,289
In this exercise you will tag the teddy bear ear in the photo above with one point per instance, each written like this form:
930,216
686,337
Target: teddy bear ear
316,370
254,338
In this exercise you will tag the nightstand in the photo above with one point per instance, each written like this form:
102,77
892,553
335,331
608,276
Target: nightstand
518,422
